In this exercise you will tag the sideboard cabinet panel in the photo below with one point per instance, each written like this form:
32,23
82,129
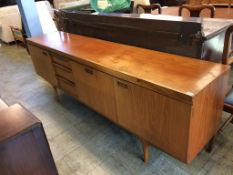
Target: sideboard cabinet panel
176,111
95,89
43,64
163,121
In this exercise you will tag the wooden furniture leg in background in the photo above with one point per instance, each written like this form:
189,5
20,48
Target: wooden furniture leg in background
229,120
56,94
18,35
210,145
145,145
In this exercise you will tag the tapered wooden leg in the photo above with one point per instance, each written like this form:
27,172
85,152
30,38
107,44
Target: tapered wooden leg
230,119
210,145
145,151
56,94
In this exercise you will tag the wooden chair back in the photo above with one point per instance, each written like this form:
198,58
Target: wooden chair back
17,34
149,8
227,57
195,10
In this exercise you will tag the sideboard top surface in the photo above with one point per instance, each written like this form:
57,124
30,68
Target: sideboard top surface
169,74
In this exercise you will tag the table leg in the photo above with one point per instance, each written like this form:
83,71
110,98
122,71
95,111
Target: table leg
145,145
210,145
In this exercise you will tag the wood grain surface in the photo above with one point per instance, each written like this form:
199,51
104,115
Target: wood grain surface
169,101
177,76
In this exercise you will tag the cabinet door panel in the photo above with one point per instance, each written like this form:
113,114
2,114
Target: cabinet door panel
43,64
95,89
158,119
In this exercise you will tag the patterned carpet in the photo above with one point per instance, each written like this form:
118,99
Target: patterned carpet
83,142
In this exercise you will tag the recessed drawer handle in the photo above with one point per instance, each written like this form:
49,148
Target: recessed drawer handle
66,69
123,85
66,81
61,59
45,53
89,71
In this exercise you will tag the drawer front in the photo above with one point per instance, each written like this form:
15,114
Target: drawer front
64,72
67,86
61,61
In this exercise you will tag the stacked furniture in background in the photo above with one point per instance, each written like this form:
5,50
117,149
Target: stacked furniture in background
69,4
214,2
18,35
10,16
195,10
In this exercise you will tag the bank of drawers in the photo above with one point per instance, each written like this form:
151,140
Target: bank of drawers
64,74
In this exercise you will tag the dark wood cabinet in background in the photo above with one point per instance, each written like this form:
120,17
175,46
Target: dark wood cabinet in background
24,149
168,2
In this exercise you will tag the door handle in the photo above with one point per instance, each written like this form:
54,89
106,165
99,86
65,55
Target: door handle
63,68
123,85
89,71
45,53
66,81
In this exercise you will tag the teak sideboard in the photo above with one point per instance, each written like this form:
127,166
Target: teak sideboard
169,101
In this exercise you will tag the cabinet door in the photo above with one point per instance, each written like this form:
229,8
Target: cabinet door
43,64
95,89
134,107
158,119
